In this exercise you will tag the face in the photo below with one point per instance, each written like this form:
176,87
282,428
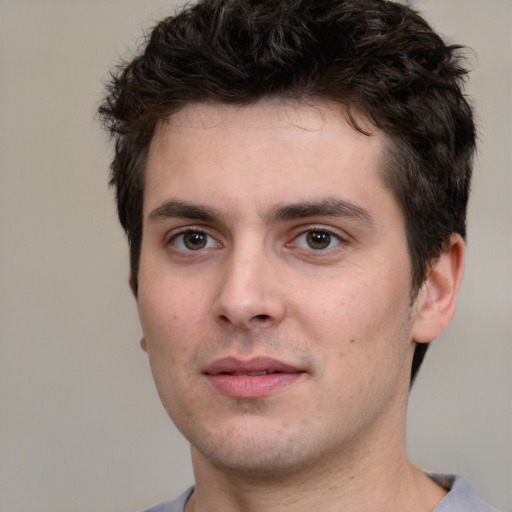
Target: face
274,286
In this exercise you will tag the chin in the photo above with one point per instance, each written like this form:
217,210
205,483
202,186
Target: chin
256,453
258,465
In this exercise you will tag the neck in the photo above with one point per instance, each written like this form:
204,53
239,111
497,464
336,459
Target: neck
385,482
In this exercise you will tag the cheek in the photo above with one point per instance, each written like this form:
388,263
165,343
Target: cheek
338,309
358,322
169,308
167,325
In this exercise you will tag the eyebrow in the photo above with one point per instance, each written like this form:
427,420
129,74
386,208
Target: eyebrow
174,208
326,207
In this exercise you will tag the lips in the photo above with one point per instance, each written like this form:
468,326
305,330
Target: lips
255,378
256,365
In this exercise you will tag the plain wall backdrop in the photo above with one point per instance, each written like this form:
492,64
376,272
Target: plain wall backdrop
81,427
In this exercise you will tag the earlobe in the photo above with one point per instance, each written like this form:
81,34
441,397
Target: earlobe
437,298
143,344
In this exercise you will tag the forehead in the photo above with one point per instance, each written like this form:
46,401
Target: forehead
271,150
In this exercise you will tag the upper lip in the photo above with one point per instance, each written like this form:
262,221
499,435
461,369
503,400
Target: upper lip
233,365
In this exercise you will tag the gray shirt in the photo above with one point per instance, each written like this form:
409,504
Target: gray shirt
460,498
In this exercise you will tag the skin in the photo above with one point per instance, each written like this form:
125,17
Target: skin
256,185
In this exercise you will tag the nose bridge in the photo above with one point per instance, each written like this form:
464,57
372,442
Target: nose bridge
248,294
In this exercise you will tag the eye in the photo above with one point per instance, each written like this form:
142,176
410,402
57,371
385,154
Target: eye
193,240
317,239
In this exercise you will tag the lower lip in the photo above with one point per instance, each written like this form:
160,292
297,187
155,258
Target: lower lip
243,386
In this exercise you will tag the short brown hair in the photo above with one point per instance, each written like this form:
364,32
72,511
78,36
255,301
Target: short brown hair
378,59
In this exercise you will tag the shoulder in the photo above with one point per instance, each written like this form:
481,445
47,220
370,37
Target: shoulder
175,505
461,497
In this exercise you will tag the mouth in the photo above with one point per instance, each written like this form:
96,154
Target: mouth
252,374
255,378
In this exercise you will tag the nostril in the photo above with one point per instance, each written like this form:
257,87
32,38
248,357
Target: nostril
261,317
257,318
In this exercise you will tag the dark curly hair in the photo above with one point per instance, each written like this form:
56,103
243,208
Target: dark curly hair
377,58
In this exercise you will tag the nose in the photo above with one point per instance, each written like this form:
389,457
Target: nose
249,294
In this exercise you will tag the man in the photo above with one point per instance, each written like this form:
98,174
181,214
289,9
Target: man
293,179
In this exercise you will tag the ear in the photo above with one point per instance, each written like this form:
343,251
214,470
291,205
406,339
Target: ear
436,300
133,285
134,289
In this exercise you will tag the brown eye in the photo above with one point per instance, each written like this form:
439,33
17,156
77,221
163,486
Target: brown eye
193,241
317,240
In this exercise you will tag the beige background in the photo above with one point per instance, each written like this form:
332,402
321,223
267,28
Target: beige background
81,426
